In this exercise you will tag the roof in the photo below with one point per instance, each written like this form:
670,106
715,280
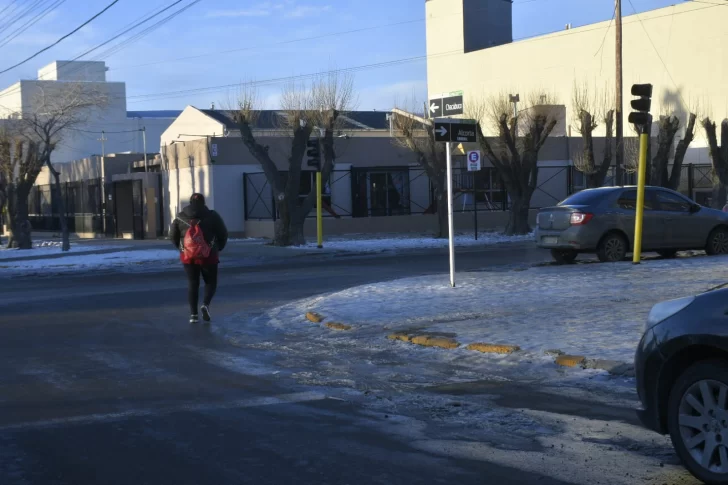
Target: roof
170,113
272,119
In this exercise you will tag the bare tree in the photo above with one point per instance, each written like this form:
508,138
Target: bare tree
588,109
48,121
417,134
719,158
514,151
669,126
318,106
20,165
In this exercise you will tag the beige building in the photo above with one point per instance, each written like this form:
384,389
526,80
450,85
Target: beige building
682,50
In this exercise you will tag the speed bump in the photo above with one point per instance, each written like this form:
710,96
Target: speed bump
432,341
493,348
404,337
570,360
314,317
338,326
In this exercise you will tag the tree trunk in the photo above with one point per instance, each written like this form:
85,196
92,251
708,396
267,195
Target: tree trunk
518,217
719,194
440,186
58,195
18,225
680,151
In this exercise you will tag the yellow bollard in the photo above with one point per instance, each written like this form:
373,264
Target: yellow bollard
637,253
319,213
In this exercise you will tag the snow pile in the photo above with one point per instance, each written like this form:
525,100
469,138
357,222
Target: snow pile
129,259
46,248
597,310
393,243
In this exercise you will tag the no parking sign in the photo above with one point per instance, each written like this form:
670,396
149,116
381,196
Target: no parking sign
473,161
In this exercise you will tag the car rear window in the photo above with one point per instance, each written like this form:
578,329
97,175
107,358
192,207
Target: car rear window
585,197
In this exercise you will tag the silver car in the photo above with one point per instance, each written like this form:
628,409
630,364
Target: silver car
602,221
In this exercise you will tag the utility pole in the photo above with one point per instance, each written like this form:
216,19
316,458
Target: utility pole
619,167
144,140
103,181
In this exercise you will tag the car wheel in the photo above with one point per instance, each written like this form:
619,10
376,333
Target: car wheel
612,248
564,256
697,420
667,253
717,242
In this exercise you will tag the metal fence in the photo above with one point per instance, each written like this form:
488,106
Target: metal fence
388,191
83,207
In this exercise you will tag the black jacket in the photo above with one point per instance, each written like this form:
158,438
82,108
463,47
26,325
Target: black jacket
212,225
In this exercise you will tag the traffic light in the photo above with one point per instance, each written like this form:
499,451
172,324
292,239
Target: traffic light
314,153
641,115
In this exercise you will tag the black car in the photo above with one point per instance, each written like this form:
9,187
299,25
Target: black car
681,368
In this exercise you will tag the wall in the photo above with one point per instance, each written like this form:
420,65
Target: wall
419,224
690,37
227,191
191,122
358,152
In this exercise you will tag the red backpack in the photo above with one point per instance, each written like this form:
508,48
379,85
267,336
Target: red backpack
194,246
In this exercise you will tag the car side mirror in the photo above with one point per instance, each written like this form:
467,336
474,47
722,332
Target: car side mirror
695,208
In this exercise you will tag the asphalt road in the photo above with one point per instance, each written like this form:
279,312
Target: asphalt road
104,382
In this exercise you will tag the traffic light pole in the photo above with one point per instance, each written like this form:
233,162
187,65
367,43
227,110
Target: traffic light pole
639,217
319,212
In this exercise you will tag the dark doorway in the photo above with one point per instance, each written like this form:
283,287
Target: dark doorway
128,206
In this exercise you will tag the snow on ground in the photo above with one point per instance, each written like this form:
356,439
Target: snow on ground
46,248
597,310
375,244
119,259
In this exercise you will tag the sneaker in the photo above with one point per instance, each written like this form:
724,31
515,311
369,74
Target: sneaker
194,319
205,313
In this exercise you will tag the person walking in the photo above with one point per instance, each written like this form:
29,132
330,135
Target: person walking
200,234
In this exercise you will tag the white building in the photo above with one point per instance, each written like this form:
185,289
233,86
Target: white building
123,131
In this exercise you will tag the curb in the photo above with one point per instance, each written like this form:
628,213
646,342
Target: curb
493,348
314,317
561,358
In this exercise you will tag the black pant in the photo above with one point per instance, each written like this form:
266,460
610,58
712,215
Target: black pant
209,275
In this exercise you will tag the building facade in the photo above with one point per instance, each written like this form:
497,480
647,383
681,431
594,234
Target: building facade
123,131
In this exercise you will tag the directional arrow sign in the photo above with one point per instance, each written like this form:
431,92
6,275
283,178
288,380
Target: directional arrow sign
442,131
455,130
435,108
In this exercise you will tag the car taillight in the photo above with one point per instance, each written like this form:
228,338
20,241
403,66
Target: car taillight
580,218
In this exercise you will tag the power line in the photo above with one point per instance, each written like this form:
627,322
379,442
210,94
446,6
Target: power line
664,64
19,31
122,45
128,30
558,34
19,16
62,38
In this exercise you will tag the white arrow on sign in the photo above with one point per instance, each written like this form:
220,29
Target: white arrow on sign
442,131
434,107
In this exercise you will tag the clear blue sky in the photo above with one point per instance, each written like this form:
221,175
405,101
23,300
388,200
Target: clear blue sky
261,27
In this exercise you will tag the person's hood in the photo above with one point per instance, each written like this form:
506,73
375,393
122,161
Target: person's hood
195,212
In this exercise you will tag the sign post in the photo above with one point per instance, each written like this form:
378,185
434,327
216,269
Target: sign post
450,224
447,104
453,130
474,166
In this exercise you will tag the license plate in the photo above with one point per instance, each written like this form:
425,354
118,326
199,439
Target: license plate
550,240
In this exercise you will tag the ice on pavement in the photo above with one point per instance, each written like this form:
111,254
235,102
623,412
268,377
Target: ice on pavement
47,248
86,262
371,244
597,310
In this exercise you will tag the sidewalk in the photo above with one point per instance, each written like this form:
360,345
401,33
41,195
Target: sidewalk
94,254
592,310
